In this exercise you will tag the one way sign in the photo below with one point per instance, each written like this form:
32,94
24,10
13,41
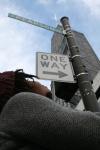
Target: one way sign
54,67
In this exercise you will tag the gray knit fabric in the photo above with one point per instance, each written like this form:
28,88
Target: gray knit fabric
35,119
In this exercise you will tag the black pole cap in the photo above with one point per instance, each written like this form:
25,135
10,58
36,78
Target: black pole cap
64,18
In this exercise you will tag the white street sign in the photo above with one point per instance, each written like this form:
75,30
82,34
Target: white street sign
56,67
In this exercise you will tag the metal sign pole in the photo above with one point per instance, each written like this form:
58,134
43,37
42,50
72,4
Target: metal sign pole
88,95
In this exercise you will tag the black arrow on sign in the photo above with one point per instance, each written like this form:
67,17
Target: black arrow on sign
59,73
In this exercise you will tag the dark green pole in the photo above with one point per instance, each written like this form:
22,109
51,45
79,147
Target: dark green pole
84,83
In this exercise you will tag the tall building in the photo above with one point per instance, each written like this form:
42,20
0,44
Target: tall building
89,58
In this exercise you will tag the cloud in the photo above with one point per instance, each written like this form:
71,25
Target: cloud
44,2
19,42
61,1
56,19
11,42
93,6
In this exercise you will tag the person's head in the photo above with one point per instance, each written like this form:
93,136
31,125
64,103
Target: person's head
39,88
